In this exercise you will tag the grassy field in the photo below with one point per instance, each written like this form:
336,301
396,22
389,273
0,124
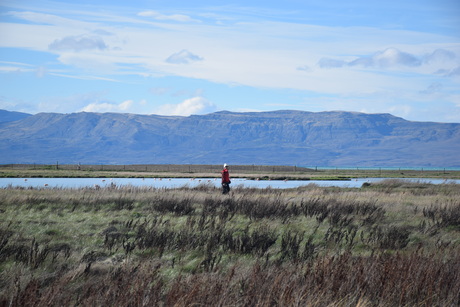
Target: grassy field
263,172
388,244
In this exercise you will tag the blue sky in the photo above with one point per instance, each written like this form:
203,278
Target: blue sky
196,57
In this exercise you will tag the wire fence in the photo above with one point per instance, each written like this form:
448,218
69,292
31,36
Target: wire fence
243,169
159,168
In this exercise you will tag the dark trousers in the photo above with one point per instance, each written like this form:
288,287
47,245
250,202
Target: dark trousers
225,188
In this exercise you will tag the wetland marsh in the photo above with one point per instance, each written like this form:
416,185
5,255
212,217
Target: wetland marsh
385,244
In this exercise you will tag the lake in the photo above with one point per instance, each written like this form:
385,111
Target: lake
180,182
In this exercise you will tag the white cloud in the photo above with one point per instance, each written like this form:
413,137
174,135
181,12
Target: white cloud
401,110
92,62
266,54
108,107
390,57
174,17
432,88
395,58
65,104
41,71
159,90
183,57
84,77
49,19
440,55
304,68
78,43
195,105
7,103
260,54
330,63
14,69
454,72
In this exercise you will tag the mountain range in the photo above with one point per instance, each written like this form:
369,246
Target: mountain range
333,139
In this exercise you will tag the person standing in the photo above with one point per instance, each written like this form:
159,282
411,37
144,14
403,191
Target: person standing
225,180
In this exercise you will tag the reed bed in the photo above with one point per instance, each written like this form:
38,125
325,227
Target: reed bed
388,244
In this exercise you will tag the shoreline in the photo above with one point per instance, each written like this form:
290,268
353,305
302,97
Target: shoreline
250,172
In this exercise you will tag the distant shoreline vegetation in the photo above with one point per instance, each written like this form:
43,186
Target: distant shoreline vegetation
247,166
395,168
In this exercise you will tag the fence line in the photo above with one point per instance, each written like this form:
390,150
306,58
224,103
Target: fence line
212,168
176,168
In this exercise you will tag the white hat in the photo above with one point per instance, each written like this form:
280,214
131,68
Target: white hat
225,164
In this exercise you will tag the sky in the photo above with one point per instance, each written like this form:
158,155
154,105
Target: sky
172,57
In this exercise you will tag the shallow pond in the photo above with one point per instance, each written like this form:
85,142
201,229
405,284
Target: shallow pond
192,182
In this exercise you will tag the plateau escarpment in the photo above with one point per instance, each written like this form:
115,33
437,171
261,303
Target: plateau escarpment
278,137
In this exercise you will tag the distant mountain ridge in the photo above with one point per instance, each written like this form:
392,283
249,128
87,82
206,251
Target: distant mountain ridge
278,137
8,116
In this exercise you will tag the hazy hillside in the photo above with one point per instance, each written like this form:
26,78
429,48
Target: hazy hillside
7,116
279,137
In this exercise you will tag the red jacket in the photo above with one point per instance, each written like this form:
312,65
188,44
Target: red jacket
225,176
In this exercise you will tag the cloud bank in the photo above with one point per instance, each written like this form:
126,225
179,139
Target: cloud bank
195,105
108,107
241,57
390,58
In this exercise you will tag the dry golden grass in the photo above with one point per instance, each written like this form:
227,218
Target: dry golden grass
387,244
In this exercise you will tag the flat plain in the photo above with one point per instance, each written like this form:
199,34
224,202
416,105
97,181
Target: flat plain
212,171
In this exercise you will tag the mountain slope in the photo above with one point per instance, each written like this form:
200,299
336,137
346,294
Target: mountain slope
8,116
279,137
